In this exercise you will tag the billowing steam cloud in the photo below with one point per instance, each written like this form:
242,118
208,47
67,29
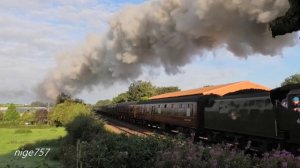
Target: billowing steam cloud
167,33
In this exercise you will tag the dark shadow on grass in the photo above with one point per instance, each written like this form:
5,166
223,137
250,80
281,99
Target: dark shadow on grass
21,159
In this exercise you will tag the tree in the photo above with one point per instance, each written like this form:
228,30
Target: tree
162,90
123,97
103,103
65,112
1,116
27,117
41,116
11,114
293,79
140,90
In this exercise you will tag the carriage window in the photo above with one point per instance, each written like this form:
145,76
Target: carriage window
251,103
223,107
165,105
267,101
180,105
172,105
234,104
259,103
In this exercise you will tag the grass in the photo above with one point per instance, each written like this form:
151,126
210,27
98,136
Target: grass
14,138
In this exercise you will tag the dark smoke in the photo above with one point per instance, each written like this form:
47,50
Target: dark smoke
167,33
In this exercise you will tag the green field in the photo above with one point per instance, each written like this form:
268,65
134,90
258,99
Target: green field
13,138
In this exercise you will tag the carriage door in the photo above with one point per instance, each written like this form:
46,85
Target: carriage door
188,110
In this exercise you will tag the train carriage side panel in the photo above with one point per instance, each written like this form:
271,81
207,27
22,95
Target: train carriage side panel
246,114
178,111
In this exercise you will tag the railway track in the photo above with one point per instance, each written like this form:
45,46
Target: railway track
119,127
130,129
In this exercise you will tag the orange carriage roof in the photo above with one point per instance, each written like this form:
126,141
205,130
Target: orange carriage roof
217,90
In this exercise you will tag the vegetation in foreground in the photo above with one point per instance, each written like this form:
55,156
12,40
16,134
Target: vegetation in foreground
88,144
110,150
12,138
15,138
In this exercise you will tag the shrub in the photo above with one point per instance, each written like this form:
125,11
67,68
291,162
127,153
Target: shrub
88,144
23,131
189,155
66,112
122,151
27,117
11,114
98,148
282,159
83,128
53,144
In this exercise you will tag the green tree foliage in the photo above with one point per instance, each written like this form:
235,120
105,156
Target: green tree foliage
65,112
84,128
123,97
103,103
162,90
1,116
27,117
41,116
140,90
11,114
293,79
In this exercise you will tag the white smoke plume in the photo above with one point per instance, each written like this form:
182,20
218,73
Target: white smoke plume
167,33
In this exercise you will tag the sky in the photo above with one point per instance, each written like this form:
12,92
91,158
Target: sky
34,32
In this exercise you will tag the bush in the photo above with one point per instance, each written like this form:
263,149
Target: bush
23,131
53,144
282,159
27,117
88,144
98,148
9,124
83,128
11,114
66,112
122,151
189,155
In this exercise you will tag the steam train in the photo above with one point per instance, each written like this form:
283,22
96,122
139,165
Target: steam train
262,118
